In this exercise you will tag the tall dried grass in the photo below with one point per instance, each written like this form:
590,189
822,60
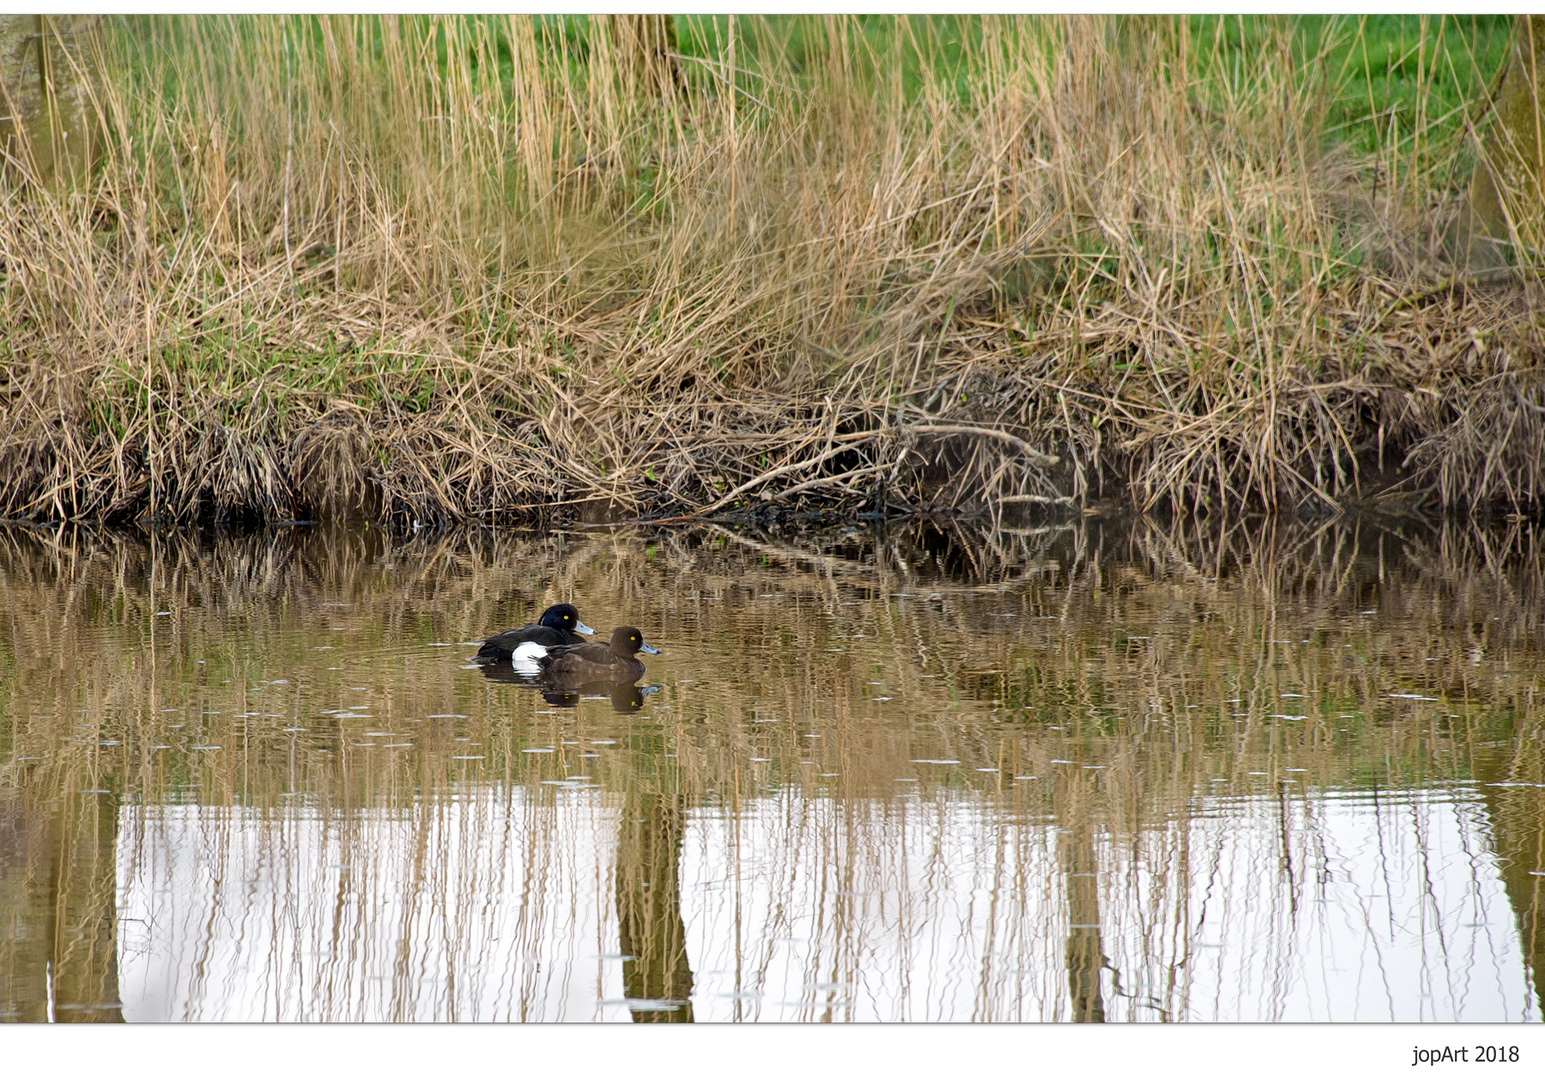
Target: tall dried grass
439,269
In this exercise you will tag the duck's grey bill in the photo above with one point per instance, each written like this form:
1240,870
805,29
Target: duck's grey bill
648,648
581,628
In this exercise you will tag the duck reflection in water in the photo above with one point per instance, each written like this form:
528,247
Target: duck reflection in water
625,695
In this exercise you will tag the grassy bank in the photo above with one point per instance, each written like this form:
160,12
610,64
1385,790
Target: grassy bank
438,270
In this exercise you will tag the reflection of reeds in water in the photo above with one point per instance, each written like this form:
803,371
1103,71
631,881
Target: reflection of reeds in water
58,952
833,760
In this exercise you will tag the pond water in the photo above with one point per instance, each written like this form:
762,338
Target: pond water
911,772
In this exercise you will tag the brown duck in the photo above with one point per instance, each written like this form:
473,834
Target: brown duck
615,662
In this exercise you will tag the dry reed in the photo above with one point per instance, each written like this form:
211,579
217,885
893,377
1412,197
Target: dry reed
437,270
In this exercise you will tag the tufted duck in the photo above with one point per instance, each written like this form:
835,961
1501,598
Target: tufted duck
559,625
592,660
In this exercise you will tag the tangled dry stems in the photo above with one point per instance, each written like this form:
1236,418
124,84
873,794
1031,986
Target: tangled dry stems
322,271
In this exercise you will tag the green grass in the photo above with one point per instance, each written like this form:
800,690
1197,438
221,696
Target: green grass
1389,68
1381,70
1379,67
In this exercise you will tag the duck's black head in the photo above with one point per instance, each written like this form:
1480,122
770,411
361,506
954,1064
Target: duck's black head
627,640
565,617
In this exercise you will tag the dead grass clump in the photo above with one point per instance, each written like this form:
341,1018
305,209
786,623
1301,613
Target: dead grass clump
440,269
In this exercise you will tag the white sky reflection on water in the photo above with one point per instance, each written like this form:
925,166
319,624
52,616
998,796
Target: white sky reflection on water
944,909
